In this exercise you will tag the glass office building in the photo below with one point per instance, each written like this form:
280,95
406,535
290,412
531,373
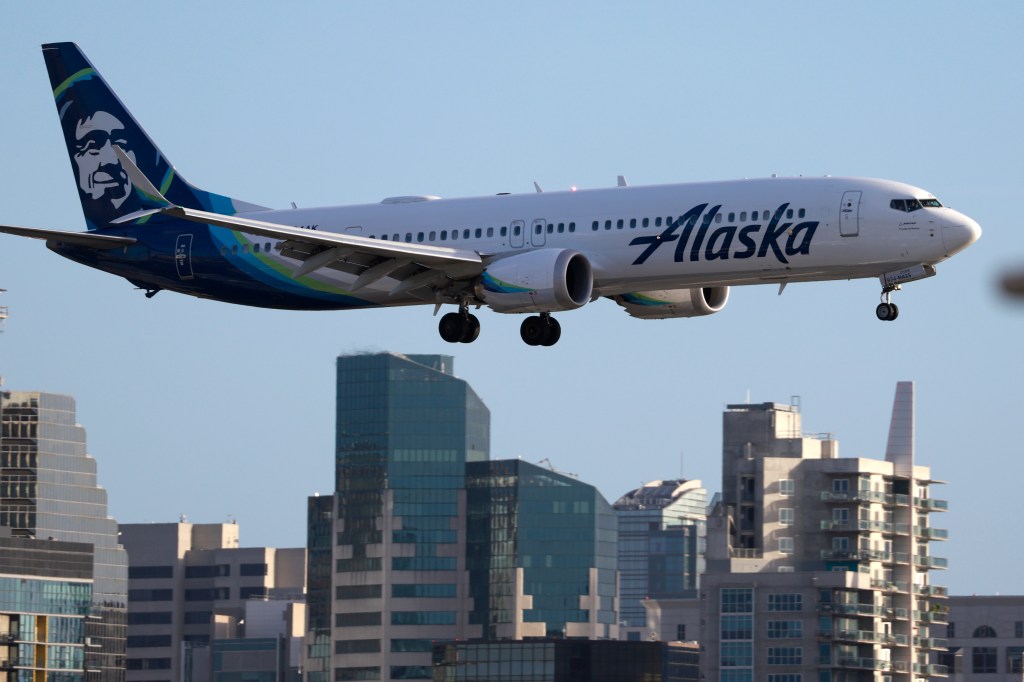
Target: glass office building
48,490
662,529
406,426
541,550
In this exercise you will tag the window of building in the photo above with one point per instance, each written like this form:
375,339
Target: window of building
840,544
785,629
150,572
356,674
785,545
252,569
737,600
950,629
681,632
357,619
423,618
357,646
841,517
786,516
787,677
1018,628
150,595
841,485
149,618
255,592
785,655
1014,662
737,655
984,631
413,645
787,487
983,659
786,601
198,617
357,592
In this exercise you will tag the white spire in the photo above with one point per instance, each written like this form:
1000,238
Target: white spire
900,449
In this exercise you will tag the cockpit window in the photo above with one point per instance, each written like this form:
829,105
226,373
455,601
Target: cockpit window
908,205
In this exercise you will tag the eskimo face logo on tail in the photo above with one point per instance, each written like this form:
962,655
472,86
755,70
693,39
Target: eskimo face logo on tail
781,239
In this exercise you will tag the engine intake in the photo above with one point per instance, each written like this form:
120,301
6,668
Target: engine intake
541,281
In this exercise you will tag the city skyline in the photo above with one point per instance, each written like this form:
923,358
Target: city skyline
357,104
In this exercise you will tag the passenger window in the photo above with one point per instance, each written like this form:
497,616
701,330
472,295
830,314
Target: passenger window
223,250
561,228
245,248
504,230
801,213
632,223
732,217
657,221
419,236
478,233
234,249
551,228
718,217
408,236
255,248
789,214
594,226
455,235
572,227
490,231
743,216
433,235
444,235
465,234
267,247
619,224
607,224
516,230
753,215
394,237
647,222
537,229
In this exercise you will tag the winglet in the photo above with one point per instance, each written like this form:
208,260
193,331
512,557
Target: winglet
150,195
622,181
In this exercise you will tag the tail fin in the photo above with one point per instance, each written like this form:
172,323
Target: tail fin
94,120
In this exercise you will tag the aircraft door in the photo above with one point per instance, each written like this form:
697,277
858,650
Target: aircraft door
849,215
538,232
183,256
516,237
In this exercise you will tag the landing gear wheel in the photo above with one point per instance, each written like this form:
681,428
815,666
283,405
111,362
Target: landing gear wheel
471,329
533,330
452,327
553,332
887,312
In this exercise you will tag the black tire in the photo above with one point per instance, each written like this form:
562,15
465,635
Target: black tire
552,332
895,312
472,329
883,312
532,330
452,327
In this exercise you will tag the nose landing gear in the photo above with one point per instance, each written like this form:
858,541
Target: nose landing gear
887,310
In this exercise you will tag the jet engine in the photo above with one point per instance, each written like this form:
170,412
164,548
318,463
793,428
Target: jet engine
658,305
541,281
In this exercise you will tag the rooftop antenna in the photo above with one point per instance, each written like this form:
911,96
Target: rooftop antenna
682,470
3,323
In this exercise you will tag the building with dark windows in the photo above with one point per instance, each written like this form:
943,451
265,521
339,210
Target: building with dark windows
541,552
558,660
45,601
662,527
819,567
426,540
985,637
192,587
48,490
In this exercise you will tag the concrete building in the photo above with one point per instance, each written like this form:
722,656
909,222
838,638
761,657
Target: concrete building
45,602
985,637
818,567
426,540
48,490
191,586
662,527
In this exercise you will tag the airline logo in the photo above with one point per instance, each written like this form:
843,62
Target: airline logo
729,241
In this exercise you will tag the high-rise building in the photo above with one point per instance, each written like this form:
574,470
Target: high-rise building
192,588
541,554
985,638
819,567
427,540
45,602
48,490
406,426
662,527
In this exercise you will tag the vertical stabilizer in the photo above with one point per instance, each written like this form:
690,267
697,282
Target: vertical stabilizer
900,449
94,121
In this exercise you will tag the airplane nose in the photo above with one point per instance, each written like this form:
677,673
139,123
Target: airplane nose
959,232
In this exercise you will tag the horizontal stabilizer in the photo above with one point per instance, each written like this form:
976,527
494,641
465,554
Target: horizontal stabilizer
89,240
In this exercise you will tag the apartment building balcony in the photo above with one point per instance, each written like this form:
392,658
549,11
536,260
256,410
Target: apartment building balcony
866,526
865,637
931,504
931,669
932,591
889,585
930,561
860,663
931,643
931,533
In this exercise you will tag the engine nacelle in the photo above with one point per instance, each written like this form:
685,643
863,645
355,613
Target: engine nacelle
658,305
541,281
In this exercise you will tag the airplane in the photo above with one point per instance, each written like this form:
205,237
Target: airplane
666,251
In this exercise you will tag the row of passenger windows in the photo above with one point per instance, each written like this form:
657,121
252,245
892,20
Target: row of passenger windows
539,227
667,221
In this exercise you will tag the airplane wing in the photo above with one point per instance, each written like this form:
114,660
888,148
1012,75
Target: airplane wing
414,266
87,239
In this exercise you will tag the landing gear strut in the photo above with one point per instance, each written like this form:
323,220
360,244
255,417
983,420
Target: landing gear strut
460,327
887,310
540,330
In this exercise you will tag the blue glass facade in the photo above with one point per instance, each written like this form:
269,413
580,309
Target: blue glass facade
559,533
48,489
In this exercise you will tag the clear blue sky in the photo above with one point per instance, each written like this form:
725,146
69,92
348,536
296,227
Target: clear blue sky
212,410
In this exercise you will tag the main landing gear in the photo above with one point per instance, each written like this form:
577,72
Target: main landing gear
540,330
887,310
460,327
